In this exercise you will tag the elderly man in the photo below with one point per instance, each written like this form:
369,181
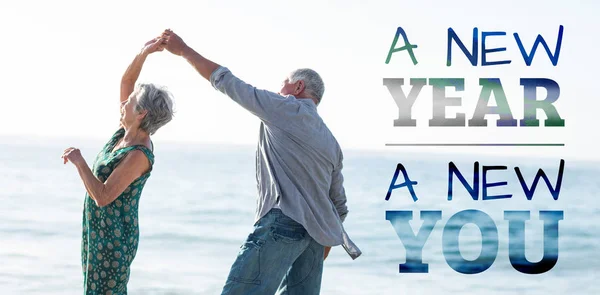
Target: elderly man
301,201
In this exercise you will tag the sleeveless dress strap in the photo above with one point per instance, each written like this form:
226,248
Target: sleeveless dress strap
142,148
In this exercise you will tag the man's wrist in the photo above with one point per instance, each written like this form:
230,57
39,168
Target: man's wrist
187,52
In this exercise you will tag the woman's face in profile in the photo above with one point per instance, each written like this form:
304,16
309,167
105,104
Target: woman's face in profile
128,114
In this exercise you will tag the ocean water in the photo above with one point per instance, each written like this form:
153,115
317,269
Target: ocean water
198,207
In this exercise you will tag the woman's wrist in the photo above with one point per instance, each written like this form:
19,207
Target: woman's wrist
80,164
142,54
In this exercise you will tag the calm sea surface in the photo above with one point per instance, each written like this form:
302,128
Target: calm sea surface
198,207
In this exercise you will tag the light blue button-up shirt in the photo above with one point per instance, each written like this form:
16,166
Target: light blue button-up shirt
298,161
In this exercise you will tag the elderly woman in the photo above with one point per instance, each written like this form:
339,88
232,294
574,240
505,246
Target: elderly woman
115,183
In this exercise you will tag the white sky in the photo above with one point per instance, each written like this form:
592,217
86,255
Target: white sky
61,63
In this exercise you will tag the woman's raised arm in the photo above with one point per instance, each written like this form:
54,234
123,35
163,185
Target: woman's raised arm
133,71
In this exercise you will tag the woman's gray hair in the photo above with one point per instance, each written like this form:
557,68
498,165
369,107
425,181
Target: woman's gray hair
158,103
314,85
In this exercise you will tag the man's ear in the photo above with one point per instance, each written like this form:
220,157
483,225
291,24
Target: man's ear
299,87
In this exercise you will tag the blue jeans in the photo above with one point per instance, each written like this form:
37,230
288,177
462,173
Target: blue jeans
279,257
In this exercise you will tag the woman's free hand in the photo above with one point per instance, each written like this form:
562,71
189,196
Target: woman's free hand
72,155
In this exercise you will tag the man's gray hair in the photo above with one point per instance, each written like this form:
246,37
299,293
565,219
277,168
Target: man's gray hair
314,85
158,103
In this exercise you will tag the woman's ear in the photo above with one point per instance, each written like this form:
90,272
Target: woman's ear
142,115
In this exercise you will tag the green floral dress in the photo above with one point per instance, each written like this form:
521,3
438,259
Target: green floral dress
110,233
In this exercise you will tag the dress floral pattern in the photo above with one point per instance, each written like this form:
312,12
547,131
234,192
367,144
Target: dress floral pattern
111,233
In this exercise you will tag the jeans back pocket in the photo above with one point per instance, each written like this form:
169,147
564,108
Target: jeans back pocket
286,230
246,268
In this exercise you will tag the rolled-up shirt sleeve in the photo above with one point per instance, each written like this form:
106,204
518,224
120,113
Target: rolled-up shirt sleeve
337,193
266,105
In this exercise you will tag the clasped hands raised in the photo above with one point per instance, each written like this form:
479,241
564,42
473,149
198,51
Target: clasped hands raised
167,40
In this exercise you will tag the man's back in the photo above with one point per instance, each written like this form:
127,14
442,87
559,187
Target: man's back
298,161
300,158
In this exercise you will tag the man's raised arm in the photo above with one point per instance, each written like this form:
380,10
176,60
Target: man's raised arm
175,45
267,105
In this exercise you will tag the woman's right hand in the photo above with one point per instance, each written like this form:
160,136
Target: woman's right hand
154,45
